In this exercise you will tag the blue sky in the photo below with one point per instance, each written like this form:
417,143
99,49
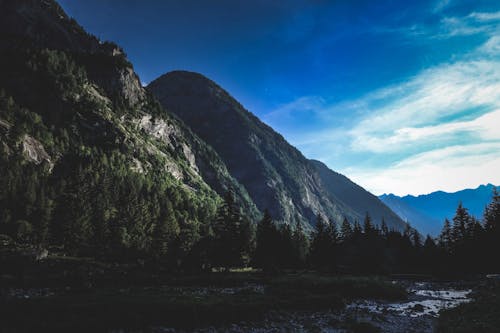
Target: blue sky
400,96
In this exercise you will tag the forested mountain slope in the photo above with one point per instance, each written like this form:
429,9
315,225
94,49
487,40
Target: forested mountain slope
88,158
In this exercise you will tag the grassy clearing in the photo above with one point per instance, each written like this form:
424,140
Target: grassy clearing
188,302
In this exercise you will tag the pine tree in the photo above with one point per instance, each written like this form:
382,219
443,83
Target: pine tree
267,236
431,255
384,230
345,230
300,245
492,213
416,239
492,231
429,242
331,231
446,238
232,235
319,244
368,226
460,222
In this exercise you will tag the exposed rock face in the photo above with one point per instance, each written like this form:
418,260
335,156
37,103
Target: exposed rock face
120,81
34,151
159,129
169,134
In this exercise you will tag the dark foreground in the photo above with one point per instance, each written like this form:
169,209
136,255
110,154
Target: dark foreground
480,315
187,303
62,294
65,294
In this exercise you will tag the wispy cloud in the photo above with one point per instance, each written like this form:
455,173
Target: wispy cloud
440,5
436,130
452,168
485,16
449,26
433,102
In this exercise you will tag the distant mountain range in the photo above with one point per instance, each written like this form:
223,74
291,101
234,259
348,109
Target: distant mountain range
427,212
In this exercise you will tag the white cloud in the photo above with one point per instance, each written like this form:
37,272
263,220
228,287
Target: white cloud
437,108
454,26
441,5
485,16
491,47
472,24
307,104
437,131
410,112
451,168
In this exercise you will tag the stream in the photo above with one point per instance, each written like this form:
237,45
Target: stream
417,314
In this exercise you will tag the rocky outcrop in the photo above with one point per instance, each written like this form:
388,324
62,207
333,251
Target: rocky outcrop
118,81
169,134
35,152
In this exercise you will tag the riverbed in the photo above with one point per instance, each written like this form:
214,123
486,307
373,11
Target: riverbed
416,314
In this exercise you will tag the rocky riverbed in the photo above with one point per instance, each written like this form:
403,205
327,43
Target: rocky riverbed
416,314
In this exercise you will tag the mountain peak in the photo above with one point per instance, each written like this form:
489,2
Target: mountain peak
276,175
184,79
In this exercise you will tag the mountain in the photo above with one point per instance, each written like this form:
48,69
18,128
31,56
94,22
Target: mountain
275,174
428,212
93,164
418,219
87,154
342,189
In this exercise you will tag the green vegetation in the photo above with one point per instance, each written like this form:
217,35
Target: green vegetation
86,198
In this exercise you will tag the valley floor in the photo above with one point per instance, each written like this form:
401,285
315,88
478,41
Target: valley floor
65,294
418,313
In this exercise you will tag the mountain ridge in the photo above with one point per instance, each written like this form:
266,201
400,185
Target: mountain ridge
276,175
428,211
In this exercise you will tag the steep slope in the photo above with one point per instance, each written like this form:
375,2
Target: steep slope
430,210
276,175
86,151
342,189
422,222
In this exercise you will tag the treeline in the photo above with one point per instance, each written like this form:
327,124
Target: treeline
350,248
465,246
469,245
